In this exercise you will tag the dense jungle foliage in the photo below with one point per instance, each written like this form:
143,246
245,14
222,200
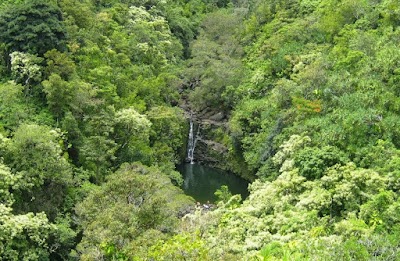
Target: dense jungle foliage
92,127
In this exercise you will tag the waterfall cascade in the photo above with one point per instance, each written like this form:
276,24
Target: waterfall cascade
191,142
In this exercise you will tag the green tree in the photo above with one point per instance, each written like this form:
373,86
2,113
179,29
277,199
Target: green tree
24,236
75,96
26,69
13,108
132,132
96,151
180,247
167,131
313,162
135,207
154,42
37,153
59,94
59,63
215,65
32,26
8,182
97,154
223,194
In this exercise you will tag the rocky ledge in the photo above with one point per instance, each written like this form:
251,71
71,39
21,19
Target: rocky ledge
211,130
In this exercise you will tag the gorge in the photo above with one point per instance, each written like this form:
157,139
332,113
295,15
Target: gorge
200,180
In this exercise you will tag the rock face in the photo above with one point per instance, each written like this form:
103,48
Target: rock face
212,144
211,134
210,148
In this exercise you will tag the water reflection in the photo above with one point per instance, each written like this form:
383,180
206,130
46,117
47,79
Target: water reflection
201,182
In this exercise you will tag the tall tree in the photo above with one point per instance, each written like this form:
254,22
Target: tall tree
36,152
22,237
135,207
34,26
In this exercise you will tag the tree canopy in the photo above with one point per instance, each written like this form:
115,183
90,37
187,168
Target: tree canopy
32,26
299,97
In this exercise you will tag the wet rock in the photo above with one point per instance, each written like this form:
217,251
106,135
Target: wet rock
217,117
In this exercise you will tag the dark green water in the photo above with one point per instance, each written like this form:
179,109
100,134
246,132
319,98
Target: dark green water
201,182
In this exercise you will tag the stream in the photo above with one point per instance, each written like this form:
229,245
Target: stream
200,182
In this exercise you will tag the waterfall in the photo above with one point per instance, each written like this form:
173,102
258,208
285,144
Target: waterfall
191,142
